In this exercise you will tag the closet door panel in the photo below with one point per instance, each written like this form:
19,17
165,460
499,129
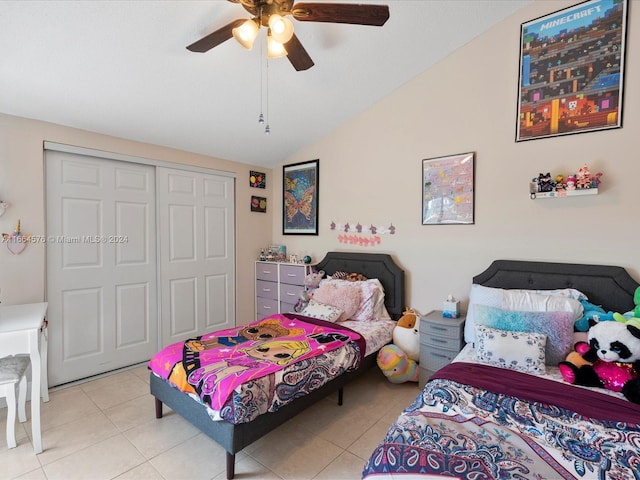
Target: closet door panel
196,212
101,265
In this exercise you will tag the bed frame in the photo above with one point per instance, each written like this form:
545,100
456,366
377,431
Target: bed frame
234,437
609,286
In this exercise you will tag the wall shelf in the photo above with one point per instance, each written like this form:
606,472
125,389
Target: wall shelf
565,193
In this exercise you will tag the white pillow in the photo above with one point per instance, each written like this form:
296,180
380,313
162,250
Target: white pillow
479,295
321,311
559,300
528,301
522,351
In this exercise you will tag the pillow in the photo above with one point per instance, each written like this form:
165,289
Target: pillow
522,351
345,297
556,326
479,295
371,306
321,311
564,299
528,301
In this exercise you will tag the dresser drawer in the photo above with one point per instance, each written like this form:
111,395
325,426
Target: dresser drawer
433,359
266,307
290,293
266,289
286,307
446,343
441,329
267,271
293,274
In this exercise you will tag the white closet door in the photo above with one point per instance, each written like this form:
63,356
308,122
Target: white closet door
101,265
196,225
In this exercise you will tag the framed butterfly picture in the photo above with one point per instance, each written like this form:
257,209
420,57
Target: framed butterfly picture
300,198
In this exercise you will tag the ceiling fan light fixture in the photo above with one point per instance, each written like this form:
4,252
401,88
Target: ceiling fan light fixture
246,33
275,49
281,28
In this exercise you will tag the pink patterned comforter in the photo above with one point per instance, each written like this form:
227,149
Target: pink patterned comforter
214,365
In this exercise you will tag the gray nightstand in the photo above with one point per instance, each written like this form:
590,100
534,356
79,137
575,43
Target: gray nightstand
440,341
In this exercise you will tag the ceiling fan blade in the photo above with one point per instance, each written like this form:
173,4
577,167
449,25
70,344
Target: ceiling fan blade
356,14
215,38
297,55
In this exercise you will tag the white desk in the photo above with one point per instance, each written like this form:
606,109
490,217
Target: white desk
20,328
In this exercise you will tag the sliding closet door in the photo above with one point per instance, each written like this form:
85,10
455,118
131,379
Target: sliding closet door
101,264
196,227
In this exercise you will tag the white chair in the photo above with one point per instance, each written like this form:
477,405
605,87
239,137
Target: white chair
12,372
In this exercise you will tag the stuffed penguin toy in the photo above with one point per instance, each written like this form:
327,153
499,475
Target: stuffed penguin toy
612,360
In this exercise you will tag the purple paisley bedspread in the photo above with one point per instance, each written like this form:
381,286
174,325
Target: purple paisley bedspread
477,422
214,365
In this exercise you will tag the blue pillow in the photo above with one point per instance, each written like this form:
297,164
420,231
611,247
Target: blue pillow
557,326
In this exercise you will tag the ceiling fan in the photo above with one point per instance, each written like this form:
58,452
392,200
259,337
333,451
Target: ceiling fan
281,40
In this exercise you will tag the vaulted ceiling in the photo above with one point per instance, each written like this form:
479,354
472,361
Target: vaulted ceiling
121,68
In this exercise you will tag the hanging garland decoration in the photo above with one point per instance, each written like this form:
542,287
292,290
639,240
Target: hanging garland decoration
360,235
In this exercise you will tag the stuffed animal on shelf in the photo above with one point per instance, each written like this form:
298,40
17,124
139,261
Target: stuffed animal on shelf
311,282
406,334
610,360
396,366
583,177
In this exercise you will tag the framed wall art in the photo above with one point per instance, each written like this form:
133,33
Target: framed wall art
300,203
572,70
448,189
257,179
258,204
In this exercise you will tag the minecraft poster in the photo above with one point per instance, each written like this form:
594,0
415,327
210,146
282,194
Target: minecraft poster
572,70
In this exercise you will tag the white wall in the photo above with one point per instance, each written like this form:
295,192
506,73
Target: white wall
22,277
370,172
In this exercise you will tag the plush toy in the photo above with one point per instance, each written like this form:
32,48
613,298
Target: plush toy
632,317
591,314
311,282
406,335
611,360
544,182
396,366
583,177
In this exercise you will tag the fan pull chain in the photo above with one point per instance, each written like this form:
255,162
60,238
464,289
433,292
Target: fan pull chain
267,129
261,116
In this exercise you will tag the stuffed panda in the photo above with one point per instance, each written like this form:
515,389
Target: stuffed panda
611,360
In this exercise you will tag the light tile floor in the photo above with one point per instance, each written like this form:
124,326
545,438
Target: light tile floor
106,429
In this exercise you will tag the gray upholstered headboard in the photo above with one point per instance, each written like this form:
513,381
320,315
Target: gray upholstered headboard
371,265
609,286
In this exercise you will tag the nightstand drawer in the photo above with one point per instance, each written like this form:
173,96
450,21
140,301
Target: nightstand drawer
266,289
446,343
434,359
428,328
290,293
267,271
266,307
292,274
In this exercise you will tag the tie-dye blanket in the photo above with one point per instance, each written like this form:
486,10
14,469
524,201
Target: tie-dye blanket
212,366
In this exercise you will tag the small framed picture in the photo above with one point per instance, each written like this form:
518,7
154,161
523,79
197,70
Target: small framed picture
258,204
257,179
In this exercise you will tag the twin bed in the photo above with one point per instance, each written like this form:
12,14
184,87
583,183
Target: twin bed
260,405
472,420
478,421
